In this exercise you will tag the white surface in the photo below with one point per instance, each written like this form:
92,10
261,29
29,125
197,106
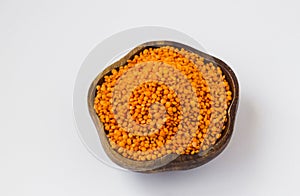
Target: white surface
43,43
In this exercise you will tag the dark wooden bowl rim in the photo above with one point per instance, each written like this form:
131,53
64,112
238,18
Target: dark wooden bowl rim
167,162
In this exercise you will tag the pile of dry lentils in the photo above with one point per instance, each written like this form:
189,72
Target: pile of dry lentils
175,134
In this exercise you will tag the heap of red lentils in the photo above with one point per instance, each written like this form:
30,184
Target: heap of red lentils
173,135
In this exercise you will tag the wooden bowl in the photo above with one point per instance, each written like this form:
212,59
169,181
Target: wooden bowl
172,161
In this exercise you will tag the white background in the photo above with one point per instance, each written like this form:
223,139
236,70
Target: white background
42,46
